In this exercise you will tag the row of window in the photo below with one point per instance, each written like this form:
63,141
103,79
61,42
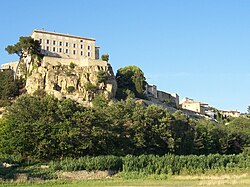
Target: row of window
61,50
60,43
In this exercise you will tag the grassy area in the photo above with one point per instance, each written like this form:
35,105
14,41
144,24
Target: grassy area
241,180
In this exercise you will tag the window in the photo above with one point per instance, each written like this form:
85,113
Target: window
60,43
47,41
60,50
88,53
74,52
88,47
66,51
40,40
67,44
47,48
54,42
74,45
81,46
81,40
54,49
81,53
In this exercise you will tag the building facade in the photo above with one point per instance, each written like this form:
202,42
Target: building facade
190,104
171,99
230,113
65,46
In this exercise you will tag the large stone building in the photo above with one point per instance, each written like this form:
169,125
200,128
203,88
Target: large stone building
66,46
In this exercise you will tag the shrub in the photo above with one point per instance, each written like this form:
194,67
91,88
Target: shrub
40,93
102,76
105,57
5,102
192,164
72,65
89,86
70,89
88,163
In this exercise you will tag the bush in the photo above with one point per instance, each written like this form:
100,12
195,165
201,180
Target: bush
72,65
105,57
102,76
88,163
192,164
70,89
89,86
5,102
40,93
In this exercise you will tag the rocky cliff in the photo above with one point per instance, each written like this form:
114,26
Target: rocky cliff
80,83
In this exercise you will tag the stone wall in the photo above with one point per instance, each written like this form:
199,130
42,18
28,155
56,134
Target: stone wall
84,61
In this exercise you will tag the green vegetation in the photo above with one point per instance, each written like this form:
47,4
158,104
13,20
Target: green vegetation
100,163
90,87
138,166
130,79
70,89
45,128
192,164
25,44
146,165
9,87
72,65
102,76
242,180
105,57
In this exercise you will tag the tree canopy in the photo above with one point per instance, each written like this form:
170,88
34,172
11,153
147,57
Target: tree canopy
9,87
105,57
45,128
130,80
25,44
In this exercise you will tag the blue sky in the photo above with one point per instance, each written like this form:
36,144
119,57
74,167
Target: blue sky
196,48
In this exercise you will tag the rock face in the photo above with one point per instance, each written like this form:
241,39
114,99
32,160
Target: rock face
78,83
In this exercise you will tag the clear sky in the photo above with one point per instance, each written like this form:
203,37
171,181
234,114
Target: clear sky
197,48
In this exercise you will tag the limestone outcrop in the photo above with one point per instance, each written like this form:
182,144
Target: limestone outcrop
80,83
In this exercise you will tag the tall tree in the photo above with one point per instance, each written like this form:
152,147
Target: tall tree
8,86
25,45
130,79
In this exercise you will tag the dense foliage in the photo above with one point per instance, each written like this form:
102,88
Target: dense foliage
44,128
137,166
105,57
89,163
131,82
192,164
153,164
25,44
9,87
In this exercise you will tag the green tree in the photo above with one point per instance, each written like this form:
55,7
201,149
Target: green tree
9,87
130,78
102,76
25,44
105,57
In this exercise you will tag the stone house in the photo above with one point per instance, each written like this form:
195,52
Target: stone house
190,104
230,113
171,99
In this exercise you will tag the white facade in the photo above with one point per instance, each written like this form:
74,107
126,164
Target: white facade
65,45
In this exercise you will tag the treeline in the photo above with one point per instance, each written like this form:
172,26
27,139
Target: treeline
45,128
